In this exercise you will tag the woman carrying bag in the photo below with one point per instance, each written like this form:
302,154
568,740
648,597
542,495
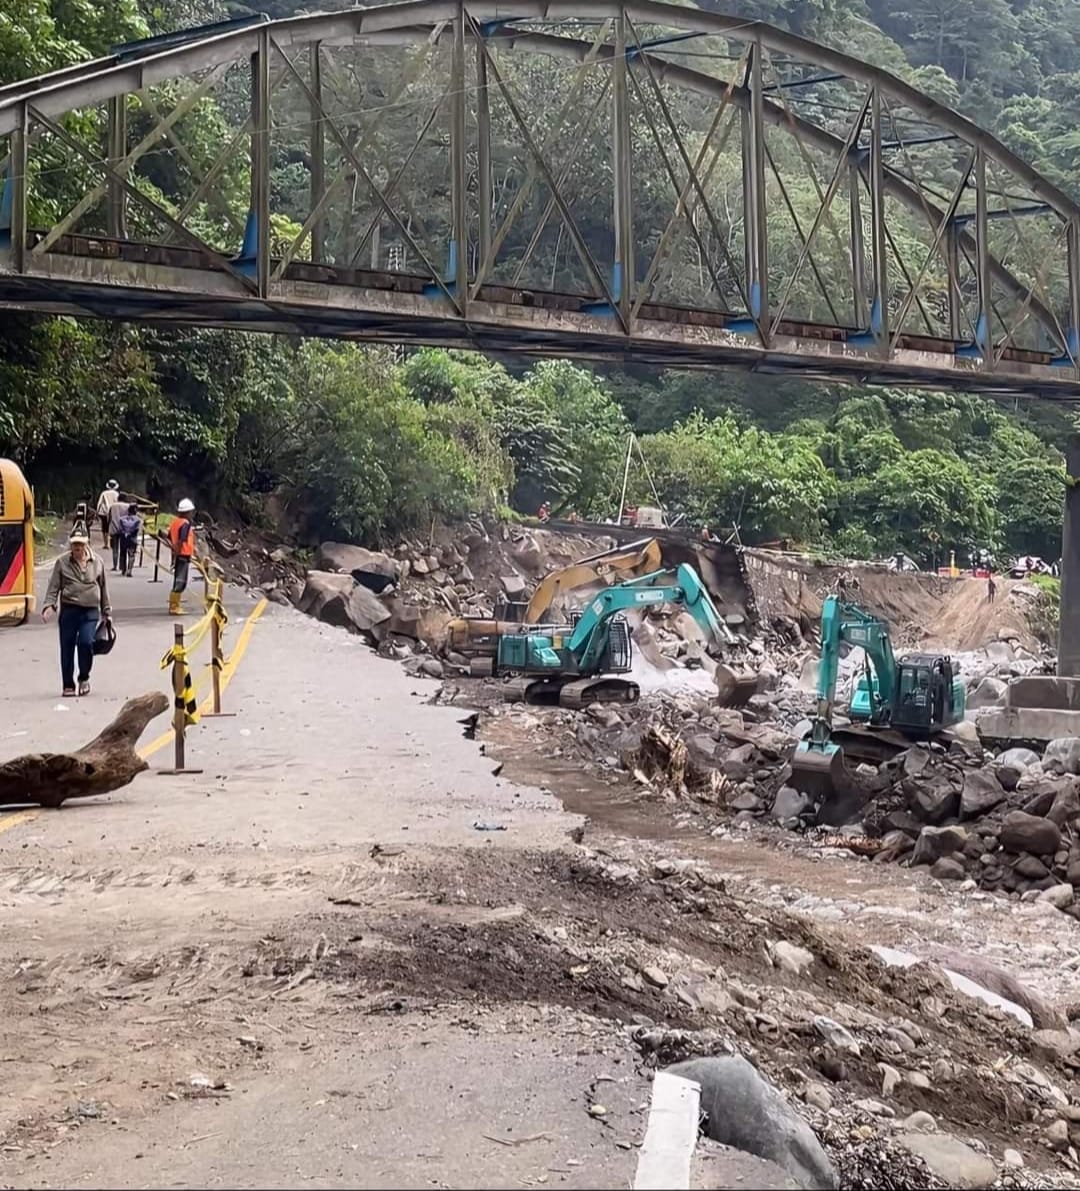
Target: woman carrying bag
78,585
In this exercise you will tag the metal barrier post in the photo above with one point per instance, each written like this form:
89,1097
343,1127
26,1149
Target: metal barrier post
179,671
179,713
157,562
217,657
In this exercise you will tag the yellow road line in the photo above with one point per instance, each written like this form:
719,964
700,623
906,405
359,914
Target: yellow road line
227,671
7,822
13,820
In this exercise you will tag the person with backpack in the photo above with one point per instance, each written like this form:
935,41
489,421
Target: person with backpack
130,527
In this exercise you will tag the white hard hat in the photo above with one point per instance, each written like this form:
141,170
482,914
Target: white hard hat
185,506
112,484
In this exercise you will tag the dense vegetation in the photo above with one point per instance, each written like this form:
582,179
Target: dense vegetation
367,443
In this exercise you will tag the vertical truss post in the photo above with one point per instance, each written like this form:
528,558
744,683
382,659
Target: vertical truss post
15,189
858,260
952,266
458,266
623,272
757,240
116,202
257,234
879,308
1072,332
982,263
483,155
318,155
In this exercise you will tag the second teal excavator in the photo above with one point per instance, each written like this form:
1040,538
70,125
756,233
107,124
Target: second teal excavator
577,664
896,701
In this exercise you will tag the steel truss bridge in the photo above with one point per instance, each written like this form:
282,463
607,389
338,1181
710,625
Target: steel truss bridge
629,181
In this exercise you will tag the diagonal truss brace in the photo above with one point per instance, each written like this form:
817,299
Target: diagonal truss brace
134,192
380,197
584,253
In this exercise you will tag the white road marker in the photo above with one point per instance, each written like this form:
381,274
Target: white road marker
670,1137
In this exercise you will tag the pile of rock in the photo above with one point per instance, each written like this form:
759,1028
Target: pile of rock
1011,825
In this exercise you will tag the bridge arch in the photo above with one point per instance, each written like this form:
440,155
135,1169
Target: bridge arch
636,166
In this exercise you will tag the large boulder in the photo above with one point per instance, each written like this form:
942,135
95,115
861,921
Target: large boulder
934,795
790,803
340,556
324,597
421,624
952,1160
744,1110
1062,755
935,842
997,980
981,793
338,600
989,693
1066,804
1022,832
1019,758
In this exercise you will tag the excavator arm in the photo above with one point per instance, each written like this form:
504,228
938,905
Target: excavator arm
641,557
846,623
682,586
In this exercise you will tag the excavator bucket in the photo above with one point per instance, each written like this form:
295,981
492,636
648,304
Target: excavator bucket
734,687
823,773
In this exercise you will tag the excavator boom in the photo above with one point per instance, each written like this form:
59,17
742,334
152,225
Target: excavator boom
640,558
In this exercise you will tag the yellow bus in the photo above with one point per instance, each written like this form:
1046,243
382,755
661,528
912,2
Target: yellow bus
16,545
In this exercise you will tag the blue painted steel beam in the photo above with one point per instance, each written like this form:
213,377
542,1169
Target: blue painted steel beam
1005,213
168,41
820,78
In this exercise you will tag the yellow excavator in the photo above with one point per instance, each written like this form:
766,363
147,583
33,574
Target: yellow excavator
476,636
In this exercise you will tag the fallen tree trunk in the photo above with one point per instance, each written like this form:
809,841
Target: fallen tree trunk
108,762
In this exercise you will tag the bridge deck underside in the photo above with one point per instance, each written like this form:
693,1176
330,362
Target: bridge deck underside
154,283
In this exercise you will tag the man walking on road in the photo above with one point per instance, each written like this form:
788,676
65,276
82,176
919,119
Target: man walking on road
78,585
991,589
109,495
182,542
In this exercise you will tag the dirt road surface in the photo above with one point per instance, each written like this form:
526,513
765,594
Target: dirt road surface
350,953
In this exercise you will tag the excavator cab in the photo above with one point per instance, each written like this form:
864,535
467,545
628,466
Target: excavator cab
929,696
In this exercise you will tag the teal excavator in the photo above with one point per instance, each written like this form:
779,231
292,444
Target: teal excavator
576,664
896,701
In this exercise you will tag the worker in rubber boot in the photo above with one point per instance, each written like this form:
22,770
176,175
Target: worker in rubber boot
182,542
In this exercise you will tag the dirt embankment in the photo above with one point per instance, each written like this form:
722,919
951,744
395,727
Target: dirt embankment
924,611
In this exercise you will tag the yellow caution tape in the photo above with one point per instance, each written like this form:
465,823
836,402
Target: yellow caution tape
186,702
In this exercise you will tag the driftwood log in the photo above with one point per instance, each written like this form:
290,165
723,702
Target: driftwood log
108,762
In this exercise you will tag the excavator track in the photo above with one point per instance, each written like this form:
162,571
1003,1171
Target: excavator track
537,691
584,691
556,692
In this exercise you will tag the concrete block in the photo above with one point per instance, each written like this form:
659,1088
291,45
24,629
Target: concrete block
1044,691
1038,724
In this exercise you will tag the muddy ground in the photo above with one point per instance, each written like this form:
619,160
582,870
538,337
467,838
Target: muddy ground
375,942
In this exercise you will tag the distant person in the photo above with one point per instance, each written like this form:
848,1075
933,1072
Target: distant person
182,542
545,511
130,528
117,512
79,588
991,589
109,496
